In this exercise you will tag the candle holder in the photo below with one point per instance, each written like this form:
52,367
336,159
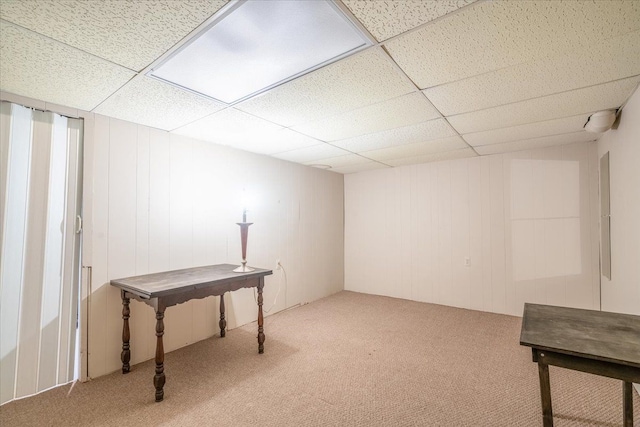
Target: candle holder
244,233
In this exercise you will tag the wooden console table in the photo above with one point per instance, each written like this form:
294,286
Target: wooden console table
596,342
162,290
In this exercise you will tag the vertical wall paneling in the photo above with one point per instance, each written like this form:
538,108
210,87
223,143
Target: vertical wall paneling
122,225
414,242
100,248
577,228
475,236
487,273
537,216
403,238
179,319
594,236
512,288
141,323
498,250
420,240
159,229
519,183
621,293
525,220
433,251
204,310
460,233
445,294
553,225
142,201
163,202
87,241
159,199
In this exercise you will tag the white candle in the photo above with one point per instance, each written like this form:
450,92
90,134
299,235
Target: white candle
244,215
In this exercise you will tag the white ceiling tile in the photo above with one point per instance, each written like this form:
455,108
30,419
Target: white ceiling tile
492,35
128,32
417,149
436,157
363,79
276,142
605,61
312,154
153,103
228,127
545,141
402,111
38,67
586,100
527,131
420,132
341,161
387,18
362,167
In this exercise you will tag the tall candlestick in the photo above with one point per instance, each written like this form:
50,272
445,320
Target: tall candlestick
244,233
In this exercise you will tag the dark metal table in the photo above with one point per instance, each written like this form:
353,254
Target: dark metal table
162,290
596,342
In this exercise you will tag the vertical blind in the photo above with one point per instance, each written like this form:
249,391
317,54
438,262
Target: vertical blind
40,188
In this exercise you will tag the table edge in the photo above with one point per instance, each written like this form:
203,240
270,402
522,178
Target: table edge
569,352
117,283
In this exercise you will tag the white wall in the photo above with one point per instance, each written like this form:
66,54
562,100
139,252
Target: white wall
528,222
622,292
162,202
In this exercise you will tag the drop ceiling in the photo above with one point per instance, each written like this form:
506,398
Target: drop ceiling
442,80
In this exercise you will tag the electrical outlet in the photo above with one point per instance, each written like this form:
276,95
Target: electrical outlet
278,266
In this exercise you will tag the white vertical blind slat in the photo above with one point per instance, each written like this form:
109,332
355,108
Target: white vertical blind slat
39,269
29,334
68,303
5,126
50,326
76,132
11,262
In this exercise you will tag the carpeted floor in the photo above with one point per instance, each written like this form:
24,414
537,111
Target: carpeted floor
347,360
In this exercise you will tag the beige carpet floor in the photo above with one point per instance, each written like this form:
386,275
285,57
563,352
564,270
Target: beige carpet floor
347,360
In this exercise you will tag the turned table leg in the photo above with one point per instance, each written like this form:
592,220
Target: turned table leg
125,356
627,403
545,395
159,378
260,319
223,322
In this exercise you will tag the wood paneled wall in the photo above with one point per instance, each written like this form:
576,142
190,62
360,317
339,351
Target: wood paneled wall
526,223
162,202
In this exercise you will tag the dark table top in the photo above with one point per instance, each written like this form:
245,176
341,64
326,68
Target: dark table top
599,335
177,281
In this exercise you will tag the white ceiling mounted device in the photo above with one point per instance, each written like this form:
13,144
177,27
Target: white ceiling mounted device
600,121
253,46
320,166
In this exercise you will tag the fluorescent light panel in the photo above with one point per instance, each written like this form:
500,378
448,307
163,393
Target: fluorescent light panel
259,45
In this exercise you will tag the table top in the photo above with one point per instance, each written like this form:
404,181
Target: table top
599,335
188,279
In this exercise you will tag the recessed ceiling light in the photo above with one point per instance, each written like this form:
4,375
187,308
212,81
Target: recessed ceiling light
319,166
256,45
